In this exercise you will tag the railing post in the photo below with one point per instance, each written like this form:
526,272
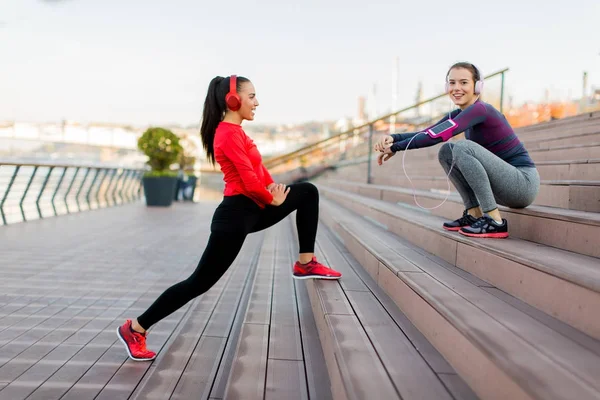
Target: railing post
69,190
130,182
100,186
81,188
37,202
125,194
502,94
89,192
25,193
12,180
109,186
140,185
370,153
57,188
119,187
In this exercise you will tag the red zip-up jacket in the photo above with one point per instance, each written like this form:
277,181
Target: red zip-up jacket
241,164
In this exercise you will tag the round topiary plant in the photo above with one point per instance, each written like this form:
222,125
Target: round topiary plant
162,148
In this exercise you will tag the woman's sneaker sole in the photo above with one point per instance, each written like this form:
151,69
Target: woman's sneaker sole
315,277
501,235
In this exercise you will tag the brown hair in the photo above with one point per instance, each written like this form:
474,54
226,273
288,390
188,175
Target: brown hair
472,68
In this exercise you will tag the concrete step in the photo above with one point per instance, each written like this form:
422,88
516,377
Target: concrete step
593,136
576,170
575,152
564,124
562,131
567,194
371,349
568,152
501,350
563,284
580,170
570,230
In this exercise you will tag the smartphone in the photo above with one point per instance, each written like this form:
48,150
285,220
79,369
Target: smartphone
443,130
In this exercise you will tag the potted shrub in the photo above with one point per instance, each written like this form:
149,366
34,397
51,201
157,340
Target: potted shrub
163,149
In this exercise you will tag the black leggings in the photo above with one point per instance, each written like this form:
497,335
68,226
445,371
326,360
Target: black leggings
233,220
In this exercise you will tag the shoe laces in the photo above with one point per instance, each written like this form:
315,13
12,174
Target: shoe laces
139,338
465,220
313,263
481,221
309,265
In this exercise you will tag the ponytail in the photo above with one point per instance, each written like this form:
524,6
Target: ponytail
214,110
214,107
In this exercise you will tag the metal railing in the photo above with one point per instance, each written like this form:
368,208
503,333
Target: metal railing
358,141
31,191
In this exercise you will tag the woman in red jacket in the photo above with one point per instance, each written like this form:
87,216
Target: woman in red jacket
251,203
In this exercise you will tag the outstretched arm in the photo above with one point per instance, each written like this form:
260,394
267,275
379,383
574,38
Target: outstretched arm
399,137
471,116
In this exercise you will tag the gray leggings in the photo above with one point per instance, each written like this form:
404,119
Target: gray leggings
484,179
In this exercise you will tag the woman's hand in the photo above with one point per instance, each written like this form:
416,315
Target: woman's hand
383,142
385,155
279,192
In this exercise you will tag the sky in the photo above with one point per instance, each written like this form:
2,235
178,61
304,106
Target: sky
150,62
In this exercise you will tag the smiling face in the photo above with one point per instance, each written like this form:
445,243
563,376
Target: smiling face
247,94
461,87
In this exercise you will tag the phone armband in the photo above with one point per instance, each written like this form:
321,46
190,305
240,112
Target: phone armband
442,130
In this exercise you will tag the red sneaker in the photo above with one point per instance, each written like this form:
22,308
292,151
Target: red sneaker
135,343
314,269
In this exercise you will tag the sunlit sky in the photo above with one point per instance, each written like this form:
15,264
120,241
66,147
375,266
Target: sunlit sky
150,62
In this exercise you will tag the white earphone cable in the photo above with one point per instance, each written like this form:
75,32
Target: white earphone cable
411,184
410,181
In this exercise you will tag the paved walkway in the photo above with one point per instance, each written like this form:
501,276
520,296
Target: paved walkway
66,283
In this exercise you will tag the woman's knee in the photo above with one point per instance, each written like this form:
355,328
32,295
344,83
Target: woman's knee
445,153
462,146
309,190
462,149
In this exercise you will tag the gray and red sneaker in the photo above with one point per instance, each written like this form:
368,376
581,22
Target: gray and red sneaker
465,220
135,343
314,270
486,227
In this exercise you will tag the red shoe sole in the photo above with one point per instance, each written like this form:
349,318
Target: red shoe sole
315,277
502,235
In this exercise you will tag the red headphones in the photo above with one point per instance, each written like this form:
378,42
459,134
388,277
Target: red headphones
232,99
